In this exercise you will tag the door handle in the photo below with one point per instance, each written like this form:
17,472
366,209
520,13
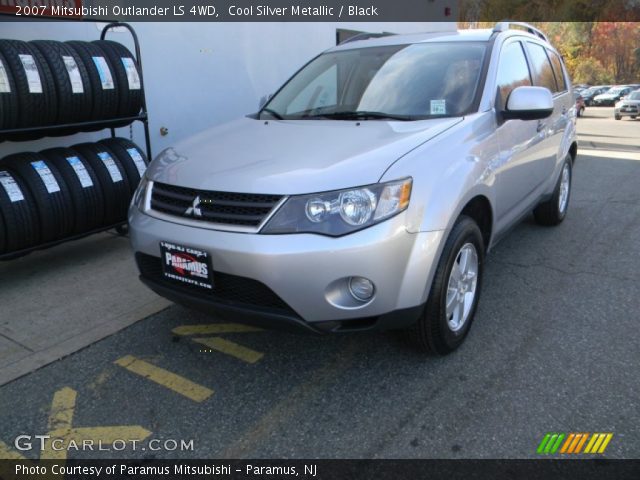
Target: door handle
541,126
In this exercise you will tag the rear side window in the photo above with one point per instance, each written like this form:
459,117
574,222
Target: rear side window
513,72
542,71
557,69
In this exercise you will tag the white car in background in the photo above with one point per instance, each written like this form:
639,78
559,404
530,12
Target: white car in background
629,106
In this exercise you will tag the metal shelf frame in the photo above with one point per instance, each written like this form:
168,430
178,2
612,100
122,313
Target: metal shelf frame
76,128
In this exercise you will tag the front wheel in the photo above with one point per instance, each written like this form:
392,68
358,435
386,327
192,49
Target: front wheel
455,291
553,211
617,117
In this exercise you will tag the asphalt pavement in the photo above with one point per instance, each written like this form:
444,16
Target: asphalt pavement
554,348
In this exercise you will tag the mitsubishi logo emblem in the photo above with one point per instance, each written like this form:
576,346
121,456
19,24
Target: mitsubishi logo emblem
194,209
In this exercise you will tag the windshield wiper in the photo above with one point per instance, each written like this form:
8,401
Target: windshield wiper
273,113
362,115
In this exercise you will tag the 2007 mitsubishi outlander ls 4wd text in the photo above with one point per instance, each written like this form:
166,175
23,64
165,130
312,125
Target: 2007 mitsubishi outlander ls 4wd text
367,190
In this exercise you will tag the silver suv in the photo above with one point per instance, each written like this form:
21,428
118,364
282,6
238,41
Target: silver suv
368,189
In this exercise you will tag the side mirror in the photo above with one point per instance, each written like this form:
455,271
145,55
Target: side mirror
263,100
528,103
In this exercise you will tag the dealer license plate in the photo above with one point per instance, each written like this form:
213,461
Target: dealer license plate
186,265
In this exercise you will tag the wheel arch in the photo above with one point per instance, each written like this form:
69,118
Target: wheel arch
479,209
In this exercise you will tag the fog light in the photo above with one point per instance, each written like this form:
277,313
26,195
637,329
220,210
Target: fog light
361,288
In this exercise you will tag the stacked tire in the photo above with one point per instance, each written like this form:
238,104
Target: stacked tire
46,83
59,193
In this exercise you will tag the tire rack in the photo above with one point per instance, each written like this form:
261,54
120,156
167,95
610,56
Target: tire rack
111,124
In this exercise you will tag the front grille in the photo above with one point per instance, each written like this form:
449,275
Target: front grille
229,289
241,209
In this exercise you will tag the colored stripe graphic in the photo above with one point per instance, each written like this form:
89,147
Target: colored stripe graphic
573,443
550,443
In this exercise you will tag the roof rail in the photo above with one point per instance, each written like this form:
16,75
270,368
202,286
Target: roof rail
508,25
365,36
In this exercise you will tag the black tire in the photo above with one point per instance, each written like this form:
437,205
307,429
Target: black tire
86,193
633,117
617,117
115,192
73,105
20,217
129,94
121,147
35,109
432,333
3,234
55,209
105,100
8,100
550,213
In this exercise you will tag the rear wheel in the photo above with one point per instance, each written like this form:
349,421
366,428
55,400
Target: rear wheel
455,291
617,117
553,211
633,117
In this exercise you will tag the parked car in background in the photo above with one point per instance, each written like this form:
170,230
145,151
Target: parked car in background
591,92
611,96
580,106
628,107
366,192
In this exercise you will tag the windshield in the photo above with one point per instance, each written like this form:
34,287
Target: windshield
614,91
401,82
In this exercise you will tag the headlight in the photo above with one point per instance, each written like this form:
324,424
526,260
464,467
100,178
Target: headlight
140,194
341,212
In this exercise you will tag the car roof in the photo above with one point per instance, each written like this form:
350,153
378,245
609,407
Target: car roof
471,35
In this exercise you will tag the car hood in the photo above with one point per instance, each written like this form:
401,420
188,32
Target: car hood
291,156
629,102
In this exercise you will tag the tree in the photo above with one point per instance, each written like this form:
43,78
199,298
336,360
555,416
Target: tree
591,71
616,43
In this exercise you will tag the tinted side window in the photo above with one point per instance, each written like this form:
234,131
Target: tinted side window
513,72
542,71
557,69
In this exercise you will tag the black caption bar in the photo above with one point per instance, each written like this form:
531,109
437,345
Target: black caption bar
326,10
320,469
239,10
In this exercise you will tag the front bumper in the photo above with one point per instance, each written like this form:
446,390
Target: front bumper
297,280
627,112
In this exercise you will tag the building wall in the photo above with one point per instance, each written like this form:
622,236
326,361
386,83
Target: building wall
201,74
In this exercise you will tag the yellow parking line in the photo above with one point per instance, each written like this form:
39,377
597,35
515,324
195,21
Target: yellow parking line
62,408
167,379
214,329
230,348
6,453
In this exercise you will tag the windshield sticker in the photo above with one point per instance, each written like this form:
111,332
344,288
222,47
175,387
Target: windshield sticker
438,107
